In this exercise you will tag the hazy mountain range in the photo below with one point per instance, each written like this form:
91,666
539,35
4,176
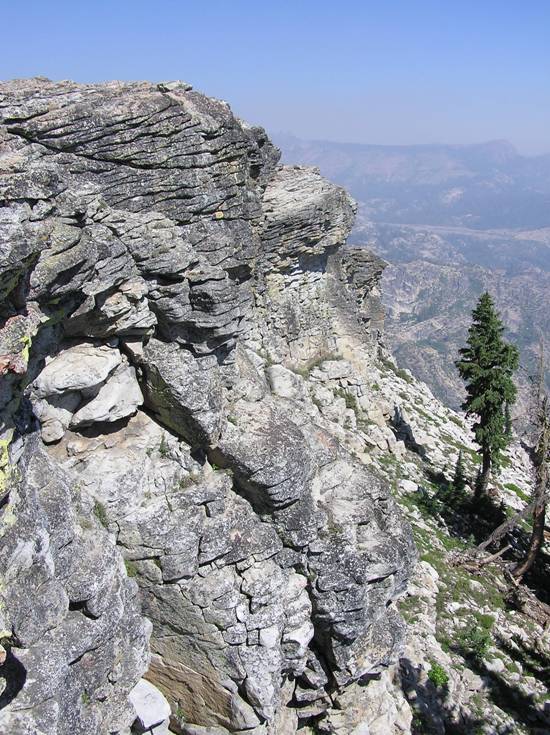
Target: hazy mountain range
489,185
452,221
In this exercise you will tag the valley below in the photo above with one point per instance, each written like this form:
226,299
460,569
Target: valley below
432,282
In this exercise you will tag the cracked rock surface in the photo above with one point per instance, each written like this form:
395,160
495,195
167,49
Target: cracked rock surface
177,500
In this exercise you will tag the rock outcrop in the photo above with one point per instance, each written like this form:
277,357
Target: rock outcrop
176,307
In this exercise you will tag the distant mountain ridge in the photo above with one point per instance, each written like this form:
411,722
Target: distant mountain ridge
476,185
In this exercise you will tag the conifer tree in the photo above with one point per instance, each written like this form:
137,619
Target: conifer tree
487,364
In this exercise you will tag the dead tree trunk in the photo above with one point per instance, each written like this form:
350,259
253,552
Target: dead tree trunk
501,530
483,480
540,461
541,485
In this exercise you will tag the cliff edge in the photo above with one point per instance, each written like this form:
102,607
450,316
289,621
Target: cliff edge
177,311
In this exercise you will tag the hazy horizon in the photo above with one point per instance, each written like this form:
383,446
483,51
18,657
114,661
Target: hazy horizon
278,134
421,73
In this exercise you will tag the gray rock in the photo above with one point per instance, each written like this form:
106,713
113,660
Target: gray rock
55,413
268,459
183,391
77,641
122,311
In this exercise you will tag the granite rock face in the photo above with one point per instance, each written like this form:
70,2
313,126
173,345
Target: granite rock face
174,308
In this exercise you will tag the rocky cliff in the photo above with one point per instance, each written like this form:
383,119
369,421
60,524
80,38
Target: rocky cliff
184,473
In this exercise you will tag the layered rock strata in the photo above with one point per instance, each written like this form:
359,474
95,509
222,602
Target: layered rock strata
166,289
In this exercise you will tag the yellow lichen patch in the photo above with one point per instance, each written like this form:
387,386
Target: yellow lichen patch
5,470
218,214
26,341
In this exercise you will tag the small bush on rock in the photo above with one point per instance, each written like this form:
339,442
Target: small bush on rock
475,641
131,569
437,675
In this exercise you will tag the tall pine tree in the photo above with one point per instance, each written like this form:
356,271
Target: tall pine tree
487,365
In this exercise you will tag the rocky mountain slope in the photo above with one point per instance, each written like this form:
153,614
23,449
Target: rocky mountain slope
207,455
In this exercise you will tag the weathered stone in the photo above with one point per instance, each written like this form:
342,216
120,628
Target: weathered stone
183,391
66,594
268,459
285,383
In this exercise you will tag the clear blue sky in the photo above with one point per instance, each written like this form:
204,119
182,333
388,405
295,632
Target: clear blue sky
382,72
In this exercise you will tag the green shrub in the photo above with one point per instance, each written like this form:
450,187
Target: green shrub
437,675
485,621
404,375
163,447
474,641
517,490
350,400
305,369
100,513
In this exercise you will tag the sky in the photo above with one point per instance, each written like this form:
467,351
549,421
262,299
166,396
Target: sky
386,72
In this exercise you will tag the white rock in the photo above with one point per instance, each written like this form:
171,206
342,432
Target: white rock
376,415
269,637
55,413
285,383
302,635
495,665
336,411
150,705
321,395
472,681
408,486
424,581
118,398
78,368
332,370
